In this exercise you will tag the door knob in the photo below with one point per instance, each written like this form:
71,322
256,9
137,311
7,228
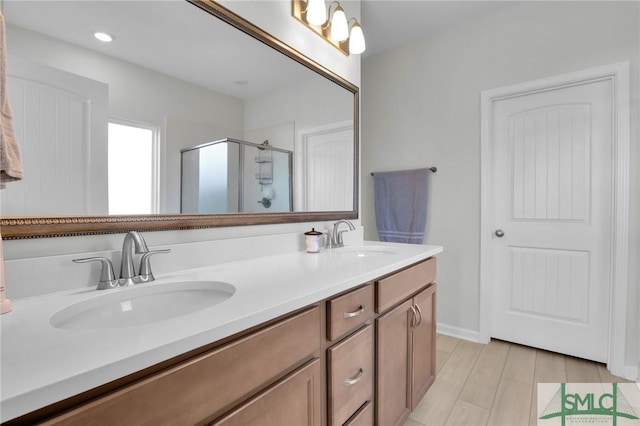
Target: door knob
499,233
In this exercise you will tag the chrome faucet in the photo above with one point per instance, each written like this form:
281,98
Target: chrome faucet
336,235
127,270
133,241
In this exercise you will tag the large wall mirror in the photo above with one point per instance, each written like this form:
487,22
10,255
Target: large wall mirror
102,126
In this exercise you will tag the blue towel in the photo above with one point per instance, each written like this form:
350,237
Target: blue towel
401,205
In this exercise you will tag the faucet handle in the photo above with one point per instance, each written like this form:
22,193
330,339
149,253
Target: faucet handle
107,276
145,274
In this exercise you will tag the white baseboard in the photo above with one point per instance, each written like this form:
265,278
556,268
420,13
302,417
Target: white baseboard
631,373
460,333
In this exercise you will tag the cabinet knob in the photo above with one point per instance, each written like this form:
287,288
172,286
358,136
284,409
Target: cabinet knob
499,233
356,379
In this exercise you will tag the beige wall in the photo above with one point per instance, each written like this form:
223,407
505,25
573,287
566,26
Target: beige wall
421,107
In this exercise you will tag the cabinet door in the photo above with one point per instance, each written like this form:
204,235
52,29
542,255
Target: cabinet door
393,404
293,401
423,343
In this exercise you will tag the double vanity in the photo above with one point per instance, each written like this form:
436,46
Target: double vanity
344,336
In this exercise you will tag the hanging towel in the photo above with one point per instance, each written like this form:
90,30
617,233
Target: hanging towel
10,163
401,205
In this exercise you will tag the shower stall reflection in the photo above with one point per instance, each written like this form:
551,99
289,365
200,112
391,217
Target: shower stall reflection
232,175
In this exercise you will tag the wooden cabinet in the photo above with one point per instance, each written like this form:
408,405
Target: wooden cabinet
350,361
393,404
406,357
395,288
350,375
349,311
405,342
423,343
293,401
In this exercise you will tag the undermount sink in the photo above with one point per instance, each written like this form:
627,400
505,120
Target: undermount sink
142,304
365,251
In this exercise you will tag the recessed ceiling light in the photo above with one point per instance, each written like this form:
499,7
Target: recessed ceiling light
103,37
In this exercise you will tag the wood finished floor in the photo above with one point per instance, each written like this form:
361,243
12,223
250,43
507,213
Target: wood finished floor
495,384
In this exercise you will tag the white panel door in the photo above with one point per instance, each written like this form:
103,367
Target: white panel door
60,122
327,170
552,210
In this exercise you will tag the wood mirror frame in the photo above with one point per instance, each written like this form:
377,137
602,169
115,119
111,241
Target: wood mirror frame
56,226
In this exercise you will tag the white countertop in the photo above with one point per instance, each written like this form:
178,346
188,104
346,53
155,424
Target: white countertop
41,365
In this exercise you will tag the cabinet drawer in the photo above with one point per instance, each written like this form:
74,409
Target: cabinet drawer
350,375
293,401
203,387
349,311
364,416
397,287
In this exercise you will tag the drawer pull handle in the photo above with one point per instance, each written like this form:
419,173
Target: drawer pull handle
354,314
414,317
419,314
359,376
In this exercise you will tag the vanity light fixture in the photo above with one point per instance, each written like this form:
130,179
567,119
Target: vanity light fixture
104,37
331,24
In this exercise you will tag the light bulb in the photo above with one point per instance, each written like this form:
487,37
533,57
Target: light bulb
356,40
339,27
316,12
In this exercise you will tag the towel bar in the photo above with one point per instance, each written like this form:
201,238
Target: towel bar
431,169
